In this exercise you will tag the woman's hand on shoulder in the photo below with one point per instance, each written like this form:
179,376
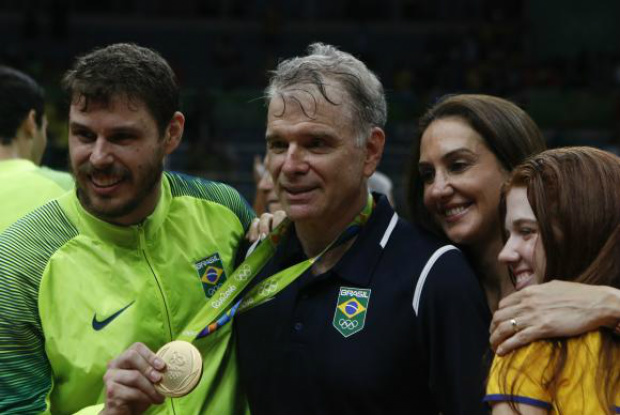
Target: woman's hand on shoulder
554,309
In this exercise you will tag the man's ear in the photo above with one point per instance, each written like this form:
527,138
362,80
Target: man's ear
374,150
174,132
24,141
29,127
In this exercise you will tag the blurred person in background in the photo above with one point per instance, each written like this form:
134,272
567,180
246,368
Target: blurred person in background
266,199
24,185
380,182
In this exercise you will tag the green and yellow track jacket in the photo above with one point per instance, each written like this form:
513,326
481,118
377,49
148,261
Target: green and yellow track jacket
75,292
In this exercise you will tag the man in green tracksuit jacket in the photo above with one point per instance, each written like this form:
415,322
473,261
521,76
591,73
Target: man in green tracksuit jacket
95,281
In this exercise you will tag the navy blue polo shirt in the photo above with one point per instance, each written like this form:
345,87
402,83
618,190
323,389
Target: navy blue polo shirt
418,350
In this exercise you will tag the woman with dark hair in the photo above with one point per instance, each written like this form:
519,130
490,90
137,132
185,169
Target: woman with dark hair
561,211
466,147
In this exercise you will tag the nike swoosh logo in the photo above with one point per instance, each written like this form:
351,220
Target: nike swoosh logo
98,325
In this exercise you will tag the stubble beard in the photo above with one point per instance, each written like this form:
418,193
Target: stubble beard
105,210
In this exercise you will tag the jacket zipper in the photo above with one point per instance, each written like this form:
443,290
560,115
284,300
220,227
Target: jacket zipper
149,262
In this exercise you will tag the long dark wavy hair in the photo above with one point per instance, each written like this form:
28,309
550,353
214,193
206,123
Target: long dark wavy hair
575,196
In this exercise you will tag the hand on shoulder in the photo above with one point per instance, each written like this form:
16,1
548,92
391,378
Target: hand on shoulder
261,226
554,309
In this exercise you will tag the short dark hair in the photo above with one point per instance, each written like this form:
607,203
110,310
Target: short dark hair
508,132
128,70
19,94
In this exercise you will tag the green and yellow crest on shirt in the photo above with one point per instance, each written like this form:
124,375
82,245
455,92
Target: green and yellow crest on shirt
351,310
211,273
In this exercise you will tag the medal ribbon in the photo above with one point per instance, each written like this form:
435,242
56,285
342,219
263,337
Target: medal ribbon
218,310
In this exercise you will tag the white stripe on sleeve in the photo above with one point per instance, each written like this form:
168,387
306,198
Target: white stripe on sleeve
388,231
425,271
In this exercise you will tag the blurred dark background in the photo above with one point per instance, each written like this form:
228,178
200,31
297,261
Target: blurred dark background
558,59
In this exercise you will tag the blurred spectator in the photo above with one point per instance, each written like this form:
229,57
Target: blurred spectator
266,199
381,183
23,137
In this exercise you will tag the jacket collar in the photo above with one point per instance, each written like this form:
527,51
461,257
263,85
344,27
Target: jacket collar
358,264
130,237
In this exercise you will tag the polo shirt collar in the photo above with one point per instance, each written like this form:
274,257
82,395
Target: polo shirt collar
359,262
124,236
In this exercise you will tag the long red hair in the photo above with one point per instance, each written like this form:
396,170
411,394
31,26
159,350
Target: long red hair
575,196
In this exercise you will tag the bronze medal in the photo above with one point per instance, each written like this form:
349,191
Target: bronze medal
183,369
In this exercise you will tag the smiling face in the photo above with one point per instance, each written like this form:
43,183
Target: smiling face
523,252
462,181
318,170
117,157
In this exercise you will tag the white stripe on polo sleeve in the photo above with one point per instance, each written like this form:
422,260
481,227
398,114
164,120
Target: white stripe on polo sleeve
417,295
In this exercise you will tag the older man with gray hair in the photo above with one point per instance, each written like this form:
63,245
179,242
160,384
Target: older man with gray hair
343,326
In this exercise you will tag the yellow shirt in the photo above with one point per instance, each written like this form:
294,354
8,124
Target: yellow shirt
24,186
577,392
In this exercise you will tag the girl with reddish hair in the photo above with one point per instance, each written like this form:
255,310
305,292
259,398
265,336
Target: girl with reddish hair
561,211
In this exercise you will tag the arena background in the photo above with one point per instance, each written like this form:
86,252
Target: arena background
558,59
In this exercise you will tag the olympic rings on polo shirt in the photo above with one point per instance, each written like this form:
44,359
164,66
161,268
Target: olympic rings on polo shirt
348,324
